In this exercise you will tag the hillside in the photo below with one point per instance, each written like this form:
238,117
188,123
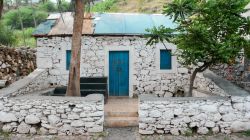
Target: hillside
140,6
131,6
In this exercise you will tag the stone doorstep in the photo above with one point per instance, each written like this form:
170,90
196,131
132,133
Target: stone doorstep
121,122
121,112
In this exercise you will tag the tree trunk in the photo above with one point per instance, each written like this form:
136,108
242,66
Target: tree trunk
1,8
21,23
33,14
192,78
73,88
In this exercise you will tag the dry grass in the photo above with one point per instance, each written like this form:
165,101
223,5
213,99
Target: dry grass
140,6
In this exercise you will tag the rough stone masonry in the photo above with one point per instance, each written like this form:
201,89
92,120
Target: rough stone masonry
52,115
16,63
145,74
194,115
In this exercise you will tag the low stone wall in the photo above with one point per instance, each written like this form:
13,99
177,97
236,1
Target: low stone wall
16,63
31,114
193,115
35,81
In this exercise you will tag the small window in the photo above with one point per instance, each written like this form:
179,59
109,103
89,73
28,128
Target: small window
165,60
68,57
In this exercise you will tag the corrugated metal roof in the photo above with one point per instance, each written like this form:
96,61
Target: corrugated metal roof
129,24
108,24
44,28
65,26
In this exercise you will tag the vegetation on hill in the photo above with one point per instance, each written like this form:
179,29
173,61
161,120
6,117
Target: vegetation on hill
18,23
131,6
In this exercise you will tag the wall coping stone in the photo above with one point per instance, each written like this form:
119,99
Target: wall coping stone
38,96
148,97
14,87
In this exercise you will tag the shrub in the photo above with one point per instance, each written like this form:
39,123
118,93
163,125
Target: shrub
107,5
6,35
47,6
27,14
27,35
65,6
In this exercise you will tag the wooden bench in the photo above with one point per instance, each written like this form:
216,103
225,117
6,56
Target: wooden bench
88,85
94,85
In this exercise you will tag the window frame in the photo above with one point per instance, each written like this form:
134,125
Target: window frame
68,65
168,51
171,47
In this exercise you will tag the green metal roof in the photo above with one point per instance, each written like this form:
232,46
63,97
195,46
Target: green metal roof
129,24
44,28
110,24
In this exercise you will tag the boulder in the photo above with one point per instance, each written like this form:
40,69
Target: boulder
7,128
146,132
202,130
7,117
32,119
53,120
77,123
238,126
23,128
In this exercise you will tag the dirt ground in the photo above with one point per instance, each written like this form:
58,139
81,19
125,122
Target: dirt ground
130,133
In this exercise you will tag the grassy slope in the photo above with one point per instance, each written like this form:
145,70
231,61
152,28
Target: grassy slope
139,6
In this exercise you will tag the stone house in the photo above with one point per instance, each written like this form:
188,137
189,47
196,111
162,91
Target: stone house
114,46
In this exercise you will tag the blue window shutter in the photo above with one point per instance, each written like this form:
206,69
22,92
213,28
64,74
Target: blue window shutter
165,60
68,57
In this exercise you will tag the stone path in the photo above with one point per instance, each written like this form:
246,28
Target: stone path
229,87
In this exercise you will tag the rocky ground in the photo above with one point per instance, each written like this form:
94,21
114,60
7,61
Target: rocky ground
130,133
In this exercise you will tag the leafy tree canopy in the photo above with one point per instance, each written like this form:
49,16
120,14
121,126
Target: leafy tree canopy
208,31
27,14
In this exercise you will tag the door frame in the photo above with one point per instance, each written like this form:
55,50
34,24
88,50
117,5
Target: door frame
131,56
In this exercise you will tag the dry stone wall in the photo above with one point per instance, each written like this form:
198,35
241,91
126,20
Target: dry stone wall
35,81
16,63
193,115
145,74
52,115
237,72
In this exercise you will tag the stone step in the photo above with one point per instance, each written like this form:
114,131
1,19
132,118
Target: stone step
121,121
121,114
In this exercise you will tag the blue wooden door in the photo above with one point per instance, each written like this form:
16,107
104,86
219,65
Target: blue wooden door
118,73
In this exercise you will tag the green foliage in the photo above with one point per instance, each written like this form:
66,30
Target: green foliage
246,133
29,40
209,31
64,6
107,5
6,35
27,14
47,6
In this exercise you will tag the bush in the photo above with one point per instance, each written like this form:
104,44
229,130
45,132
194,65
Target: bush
47,6
7,37
27,35
107,5
64,6
12,18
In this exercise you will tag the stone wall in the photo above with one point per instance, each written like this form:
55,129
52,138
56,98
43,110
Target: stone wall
237,72
193,115
16,63
145,74
35,81
52,115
